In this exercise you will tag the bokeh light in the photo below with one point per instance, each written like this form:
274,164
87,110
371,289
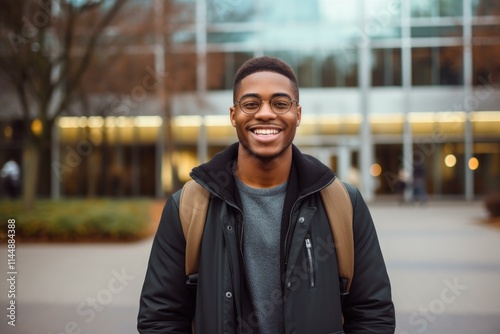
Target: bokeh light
375,170
473,163
450,160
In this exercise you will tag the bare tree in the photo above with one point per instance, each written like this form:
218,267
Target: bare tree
45,48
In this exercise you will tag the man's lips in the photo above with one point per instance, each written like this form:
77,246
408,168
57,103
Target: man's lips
265,129
266,132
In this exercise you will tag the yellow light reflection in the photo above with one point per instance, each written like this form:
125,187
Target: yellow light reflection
8,131
37,127
110,122
375,170
473,163
450,160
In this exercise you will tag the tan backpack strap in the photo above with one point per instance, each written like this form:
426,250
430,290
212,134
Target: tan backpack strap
338,206
193,208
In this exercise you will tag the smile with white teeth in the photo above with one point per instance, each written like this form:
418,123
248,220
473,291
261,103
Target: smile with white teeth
266,131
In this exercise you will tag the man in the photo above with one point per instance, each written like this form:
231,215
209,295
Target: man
251,276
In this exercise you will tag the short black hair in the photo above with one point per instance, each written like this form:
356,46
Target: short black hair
265,64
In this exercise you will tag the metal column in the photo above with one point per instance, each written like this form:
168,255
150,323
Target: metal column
407,158
366,147
344,161
201,46
160,68
468,132
202,141
201,73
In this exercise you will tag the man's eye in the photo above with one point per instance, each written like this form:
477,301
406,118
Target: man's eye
281,104
251,105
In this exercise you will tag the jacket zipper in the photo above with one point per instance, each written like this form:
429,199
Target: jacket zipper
291,213
310,252
310,262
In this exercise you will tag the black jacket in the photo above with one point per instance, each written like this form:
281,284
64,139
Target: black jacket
220,303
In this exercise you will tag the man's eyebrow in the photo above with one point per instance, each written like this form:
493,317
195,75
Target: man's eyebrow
281,94
259,96
250,95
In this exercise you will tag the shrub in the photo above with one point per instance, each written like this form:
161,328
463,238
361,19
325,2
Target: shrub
79,220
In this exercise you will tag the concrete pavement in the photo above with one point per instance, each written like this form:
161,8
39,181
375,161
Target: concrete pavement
444,265
443,262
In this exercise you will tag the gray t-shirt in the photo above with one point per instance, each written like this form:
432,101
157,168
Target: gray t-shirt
262,210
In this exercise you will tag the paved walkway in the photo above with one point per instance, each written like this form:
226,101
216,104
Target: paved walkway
444,266
443,262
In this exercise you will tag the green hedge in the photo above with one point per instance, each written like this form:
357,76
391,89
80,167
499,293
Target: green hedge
79,220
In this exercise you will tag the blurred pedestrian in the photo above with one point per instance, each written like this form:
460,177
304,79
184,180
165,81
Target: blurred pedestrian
11,178
401,184
419,187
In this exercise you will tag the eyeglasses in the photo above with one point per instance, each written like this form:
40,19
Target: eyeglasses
279,104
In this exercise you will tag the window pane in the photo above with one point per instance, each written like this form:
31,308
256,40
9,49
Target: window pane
182,12
228,37
437,66
421,66
424,8
450,8
433,8
223,11
184,37
306,71
221,68
386,67
290,11
339,70
327,72
486,7
486,31
381,32
383,19
446,31
215,70
486,64
287,56
183,69
451,66
317,69
338,12
382,11
233,62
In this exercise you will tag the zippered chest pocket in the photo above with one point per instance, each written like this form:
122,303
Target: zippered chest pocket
310,261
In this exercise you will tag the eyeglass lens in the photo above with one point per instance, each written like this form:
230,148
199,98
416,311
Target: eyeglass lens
252,104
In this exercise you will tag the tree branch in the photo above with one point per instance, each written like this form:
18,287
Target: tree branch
73,81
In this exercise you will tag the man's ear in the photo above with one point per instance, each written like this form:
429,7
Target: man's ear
299,114
231,116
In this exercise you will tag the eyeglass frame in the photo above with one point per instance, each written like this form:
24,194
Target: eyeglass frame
238,102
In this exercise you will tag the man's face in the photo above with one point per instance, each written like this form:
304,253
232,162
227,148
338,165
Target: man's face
265,134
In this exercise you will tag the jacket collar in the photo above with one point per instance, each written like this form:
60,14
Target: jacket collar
218,177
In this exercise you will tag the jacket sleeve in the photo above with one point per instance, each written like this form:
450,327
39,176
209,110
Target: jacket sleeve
368,308
166,303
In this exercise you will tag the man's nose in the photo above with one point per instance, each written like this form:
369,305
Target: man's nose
265,110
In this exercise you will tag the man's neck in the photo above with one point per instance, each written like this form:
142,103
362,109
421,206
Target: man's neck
260,173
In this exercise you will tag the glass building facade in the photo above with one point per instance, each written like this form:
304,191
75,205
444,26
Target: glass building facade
386,86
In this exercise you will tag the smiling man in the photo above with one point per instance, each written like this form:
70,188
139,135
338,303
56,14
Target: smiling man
265,124
265,228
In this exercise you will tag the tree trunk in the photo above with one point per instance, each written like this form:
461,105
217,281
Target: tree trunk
31,161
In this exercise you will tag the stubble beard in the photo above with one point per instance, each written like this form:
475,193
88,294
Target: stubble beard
262,159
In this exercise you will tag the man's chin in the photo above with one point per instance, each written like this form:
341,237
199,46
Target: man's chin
265,154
